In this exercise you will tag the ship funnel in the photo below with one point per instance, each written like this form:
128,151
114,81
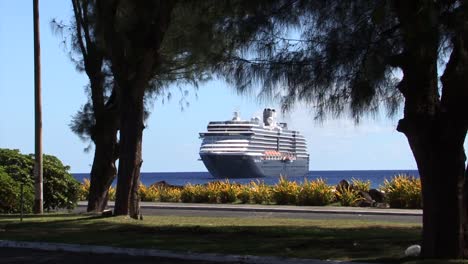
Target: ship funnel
269,116
236,116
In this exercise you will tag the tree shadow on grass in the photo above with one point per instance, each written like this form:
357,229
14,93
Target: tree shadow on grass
369,244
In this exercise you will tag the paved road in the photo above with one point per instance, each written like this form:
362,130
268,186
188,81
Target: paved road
212,211
30,256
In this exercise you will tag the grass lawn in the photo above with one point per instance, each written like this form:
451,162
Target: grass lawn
332,239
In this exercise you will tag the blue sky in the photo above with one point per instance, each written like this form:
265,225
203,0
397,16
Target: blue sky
170,141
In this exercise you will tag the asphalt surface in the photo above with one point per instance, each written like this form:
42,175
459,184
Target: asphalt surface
389,215
30,256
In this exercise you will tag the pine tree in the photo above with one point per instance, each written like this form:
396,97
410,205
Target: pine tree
343,56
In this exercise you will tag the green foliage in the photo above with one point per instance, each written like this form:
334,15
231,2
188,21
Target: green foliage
403,191
61,190
348,196
10,195
285,192
18,166
315,193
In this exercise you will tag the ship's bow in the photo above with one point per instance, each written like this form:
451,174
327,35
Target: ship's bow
231,166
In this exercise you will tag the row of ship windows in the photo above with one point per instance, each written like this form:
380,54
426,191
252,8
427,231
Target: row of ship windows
254,129
281,138
303,152
298,155
247,135
245,126
259,148
267,138
244,134
254,150
281,143
257,132
206,139
254,146
228,122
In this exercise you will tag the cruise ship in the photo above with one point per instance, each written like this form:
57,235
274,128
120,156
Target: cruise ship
253,148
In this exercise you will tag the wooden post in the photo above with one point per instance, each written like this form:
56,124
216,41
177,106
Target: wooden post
22,202
38,196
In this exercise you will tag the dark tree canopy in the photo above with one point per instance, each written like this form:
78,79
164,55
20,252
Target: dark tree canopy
337,56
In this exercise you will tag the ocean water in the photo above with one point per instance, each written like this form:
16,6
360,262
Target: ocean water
376,177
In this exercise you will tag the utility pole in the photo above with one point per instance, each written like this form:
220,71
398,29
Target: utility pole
38,180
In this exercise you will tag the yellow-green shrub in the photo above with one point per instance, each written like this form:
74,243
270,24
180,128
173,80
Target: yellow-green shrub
227,192
187,193
260,192
316,193
403,191
202,194
169,194
244,194
112,193
83,191
361,185
348,196
159,194
148,194
285,192
209,193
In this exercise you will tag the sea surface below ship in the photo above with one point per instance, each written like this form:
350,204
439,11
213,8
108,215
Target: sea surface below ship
253,148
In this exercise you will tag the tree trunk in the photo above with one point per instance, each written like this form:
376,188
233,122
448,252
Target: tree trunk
465,219
131,132
104,131
438,149
134,196
453,101
103,171
104,136
434,132
133,52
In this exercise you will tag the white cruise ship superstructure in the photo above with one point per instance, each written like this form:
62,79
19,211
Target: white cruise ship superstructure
255,148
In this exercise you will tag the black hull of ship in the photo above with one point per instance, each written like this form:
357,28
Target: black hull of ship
238,166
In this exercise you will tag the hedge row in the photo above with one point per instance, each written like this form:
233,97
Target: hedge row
400,192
